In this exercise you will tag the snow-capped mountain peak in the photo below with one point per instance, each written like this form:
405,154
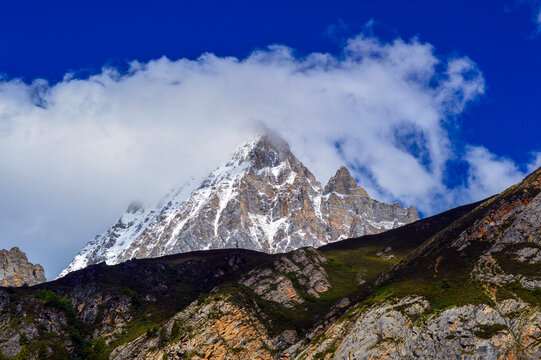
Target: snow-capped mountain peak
263,198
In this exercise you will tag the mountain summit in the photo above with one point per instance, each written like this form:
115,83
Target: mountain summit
262,199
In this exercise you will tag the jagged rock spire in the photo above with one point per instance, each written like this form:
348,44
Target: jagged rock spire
343,183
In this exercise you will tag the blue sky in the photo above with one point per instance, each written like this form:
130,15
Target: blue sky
47,39
108,117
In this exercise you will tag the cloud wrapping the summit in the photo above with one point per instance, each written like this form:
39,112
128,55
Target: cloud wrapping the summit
75,153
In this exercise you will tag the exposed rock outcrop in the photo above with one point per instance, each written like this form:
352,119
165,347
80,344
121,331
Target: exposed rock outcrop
276,283
224,330
16,270
406,329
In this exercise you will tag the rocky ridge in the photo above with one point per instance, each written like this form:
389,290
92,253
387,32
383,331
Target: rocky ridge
262,199
16,270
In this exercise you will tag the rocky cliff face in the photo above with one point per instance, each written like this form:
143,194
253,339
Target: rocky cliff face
458,285
407,329
15,270
262,199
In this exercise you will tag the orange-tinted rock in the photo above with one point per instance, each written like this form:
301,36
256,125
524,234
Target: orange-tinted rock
16,270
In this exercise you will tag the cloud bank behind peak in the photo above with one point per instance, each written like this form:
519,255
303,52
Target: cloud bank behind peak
75,153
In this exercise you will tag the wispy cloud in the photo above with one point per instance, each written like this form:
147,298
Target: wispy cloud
536,10
489,174
75,153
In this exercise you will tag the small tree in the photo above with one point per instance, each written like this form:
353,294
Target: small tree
23,354
59,352
42,352
100,348
175,330
2,356
151,332
162,339
23,339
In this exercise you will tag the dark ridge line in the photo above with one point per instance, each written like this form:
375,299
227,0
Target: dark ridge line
345,244
352,243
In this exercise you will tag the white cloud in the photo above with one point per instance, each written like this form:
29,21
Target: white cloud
490,174
75,153
535,163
